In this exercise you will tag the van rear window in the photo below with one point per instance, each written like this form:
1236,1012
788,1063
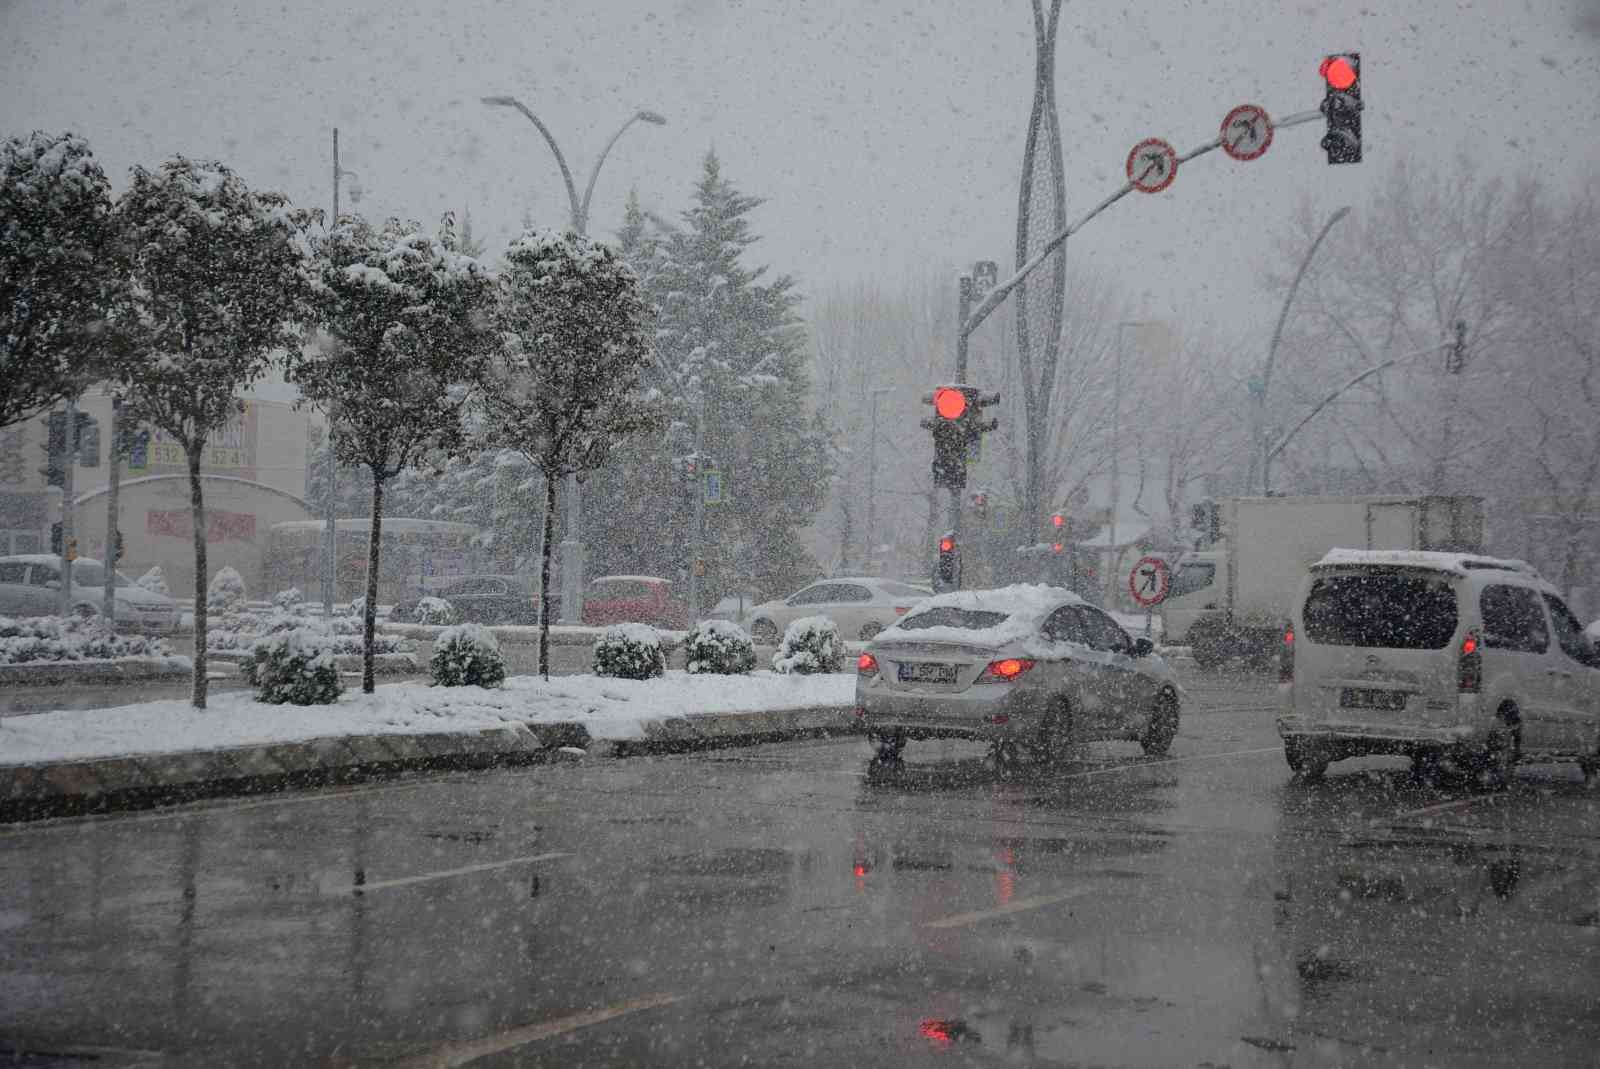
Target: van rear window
1393,610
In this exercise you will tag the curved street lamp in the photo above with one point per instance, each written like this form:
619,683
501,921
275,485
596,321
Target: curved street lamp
572,545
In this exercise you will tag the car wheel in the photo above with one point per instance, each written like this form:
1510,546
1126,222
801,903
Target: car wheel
871,631
1163,725
1051,744
764,632
887,759
1294,753
85,611
1590,767
1307,759
1502,750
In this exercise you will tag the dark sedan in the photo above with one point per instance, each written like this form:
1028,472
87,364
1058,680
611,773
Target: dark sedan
480,599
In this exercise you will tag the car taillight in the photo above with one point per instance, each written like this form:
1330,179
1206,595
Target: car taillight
1005,671
1286,656
1469,665
866,665
901,610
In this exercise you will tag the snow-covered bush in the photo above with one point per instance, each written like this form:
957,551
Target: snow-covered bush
629,651
467,655
436,611
811,644
291,600
226,591
296,667
720,647
358,607
46,639
240,630
155,581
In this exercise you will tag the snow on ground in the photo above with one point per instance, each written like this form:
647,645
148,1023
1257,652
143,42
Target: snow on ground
608,708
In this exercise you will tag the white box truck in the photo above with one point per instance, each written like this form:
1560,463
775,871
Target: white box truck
1229,598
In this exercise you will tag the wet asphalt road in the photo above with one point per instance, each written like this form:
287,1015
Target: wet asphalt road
777,906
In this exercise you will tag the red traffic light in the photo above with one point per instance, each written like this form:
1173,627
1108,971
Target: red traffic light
950,403
1057,520
1339,72
947,545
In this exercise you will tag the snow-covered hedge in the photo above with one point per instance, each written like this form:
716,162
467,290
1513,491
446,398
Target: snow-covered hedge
467,655
291,600
155,581
811,644
629,651
240,630
720,647
295,667
436,611
358,607
226,591
46,639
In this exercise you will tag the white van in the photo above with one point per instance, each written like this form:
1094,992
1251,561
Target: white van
1435,656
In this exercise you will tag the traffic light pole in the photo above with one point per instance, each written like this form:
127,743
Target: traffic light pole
963,311
697,543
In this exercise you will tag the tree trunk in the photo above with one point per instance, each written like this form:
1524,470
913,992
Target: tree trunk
369,613
197,510
550,483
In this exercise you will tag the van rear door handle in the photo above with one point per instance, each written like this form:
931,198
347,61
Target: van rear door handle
1559,672
1209,605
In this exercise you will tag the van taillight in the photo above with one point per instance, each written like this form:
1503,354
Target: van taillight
1469,665
1286,656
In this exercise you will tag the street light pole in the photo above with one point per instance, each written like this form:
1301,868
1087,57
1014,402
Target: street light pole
1260,411
572,545
330,502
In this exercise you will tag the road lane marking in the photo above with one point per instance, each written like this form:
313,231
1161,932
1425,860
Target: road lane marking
963,920
449,1055
465,870
1439,807
1169,761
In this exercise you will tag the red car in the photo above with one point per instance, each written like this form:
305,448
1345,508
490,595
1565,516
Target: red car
642,599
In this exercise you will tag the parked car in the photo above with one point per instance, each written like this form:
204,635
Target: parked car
1034,667
481,599
30,585
859,607
641,599
1436,656
735,608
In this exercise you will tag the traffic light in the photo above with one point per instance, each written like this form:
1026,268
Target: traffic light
948,576
976,425
1342,107
1058,532
88,441
949,436
55,539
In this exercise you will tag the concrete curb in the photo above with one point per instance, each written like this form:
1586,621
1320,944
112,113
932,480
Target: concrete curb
57,673
104,785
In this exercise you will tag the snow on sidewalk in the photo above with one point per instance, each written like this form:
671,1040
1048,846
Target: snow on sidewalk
608,708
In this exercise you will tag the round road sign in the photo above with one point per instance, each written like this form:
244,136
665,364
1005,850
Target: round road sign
1246,132
1149,581
1152,165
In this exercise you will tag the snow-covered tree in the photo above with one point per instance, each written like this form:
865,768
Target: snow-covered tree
219,279
563,387
731,352
59,272
406,323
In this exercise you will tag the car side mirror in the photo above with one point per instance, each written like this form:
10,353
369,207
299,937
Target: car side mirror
1143,647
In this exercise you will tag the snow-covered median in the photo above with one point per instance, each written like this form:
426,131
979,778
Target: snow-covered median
608,708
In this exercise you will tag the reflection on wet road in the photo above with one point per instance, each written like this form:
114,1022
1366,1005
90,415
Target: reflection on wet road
780,906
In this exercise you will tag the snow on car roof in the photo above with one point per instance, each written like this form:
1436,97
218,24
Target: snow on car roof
1025,605
631,579
1454,563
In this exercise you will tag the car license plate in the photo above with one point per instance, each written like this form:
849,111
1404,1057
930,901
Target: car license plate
1354,698
927,673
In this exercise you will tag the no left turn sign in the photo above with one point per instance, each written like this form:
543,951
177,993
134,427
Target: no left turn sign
1149,581
1246,132
1152,165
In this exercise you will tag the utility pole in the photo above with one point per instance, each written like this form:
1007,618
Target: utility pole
330,536
872,472
69,544
108,607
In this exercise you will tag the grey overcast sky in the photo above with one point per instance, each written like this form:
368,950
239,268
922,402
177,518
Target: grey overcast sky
885,136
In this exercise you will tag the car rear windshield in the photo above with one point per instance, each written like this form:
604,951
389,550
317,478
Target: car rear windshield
949,616
1396,610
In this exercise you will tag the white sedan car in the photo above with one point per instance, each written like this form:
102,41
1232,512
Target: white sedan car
1030,666
859,607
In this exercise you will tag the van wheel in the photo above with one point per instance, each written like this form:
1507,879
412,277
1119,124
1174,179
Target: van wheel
1163,725
764,632
1591,769
1294,753
870,632
1502,750
1307,759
